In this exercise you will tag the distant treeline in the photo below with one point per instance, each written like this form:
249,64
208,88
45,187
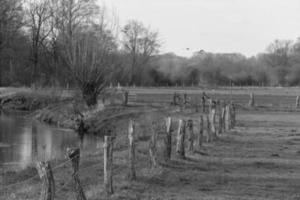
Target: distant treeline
278,66
76,43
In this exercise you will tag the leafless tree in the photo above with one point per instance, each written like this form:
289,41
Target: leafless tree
87,45
141,44
39,15
278,53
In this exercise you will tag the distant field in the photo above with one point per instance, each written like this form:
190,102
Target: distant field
282,97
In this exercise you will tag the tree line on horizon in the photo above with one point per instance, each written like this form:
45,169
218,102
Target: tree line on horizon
79,43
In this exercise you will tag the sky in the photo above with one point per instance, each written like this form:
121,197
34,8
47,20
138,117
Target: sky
219,26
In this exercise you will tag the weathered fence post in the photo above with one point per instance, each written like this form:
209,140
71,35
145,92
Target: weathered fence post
227,118
131,135
203,103
125,98
223,117
190,130
175,99
208,130
168,140
213,122
210,104
74,155
200,137
297,101
152,149
108,164
220,127
48,187
251,101
233,119
180,148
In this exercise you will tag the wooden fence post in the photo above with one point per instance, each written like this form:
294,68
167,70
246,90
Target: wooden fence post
180,147
220,127
175,99
108,164
213,123
125,98
131,135
227,118
48,186
190,130
152,149
168,140
208,130
223,117
251,101
200,137
297,101
203,103
233,119
74,155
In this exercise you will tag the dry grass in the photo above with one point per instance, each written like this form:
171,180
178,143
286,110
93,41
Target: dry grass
257,160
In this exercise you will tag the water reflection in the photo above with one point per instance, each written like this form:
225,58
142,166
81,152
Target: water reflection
23,141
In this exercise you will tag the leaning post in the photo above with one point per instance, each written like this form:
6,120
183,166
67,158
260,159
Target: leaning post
74,155
48,186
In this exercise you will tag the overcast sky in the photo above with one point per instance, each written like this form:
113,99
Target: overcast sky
245,26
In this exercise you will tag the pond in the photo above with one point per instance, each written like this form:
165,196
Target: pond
24,141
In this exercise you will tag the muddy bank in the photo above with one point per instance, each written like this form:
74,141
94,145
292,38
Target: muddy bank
26,101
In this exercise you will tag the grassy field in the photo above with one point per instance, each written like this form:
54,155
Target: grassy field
258,159
282,97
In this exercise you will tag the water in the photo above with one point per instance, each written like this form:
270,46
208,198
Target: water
24,141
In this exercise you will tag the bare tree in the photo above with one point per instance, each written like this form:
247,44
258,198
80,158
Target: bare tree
11,21
141,44
87,45
278,53
91,62
39,15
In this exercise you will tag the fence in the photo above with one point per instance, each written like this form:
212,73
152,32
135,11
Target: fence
187,140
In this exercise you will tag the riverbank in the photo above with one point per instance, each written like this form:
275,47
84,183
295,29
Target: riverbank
258,159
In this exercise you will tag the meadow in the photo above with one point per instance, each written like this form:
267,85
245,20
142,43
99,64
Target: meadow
258,159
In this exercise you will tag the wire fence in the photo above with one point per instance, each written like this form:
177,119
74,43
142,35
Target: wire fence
36,176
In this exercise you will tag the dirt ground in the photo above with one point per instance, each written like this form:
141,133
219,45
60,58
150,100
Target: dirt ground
259,159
